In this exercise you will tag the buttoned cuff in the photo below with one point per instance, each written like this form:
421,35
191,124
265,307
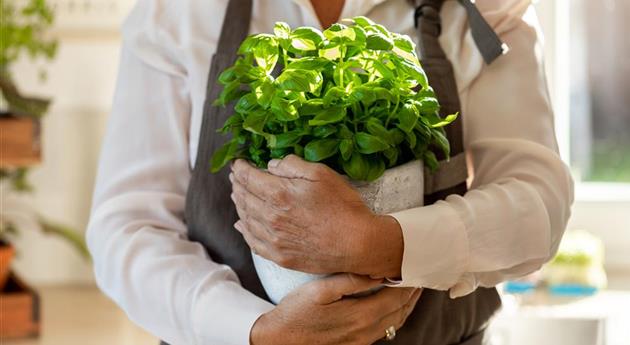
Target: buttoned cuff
435,247
226,313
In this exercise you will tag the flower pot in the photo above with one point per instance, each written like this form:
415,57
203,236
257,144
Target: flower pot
399,188
20,144
6,255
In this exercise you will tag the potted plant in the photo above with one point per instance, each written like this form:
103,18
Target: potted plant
22,32
354,97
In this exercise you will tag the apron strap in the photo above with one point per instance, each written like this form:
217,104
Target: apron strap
235,26
488,42
451,175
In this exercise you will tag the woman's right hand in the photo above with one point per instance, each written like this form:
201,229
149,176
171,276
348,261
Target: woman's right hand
321,313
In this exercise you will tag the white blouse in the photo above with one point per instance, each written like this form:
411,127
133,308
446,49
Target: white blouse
507,225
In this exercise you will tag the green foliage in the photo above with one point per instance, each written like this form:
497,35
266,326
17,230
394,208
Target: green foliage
23,27
354,97
22,30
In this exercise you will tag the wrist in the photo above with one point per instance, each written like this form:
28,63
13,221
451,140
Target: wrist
383,248
261,332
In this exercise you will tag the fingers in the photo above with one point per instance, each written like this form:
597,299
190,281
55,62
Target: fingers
249,205
258,182
335,287
293,166
389,300
396,318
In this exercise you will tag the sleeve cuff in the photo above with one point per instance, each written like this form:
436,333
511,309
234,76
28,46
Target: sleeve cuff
226,313
435,247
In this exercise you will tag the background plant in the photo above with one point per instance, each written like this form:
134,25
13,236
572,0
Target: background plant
354,97
23,32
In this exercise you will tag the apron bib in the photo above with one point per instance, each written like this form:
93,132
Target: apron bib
210,214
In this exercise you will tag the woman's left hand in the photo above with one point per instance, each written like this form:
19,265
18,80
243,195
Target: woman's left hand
304,216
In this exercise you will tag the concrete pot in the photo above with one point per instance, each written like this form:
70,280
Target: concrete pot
399,188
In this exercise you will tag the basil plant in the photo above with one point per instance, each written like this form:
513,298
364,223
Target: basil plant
354,97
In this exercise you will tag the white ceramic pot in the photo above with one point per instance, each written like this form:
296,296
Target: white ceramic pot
399,188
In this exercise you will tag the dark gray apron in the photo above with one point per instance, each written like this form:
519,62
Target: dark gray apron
210,214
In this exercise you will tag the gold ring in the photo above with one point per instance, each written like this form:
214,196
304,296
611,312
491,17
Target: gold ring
390,333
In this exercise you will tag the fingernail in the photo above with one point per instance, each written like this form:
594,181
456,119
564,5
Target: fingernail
273,163
231,177
237,226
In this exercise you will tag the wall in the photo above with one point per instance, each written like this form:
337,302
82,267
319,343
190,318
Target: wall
81,82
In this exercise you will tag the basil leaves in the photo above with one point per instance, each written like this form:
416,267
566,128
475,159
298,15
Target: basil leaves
354,97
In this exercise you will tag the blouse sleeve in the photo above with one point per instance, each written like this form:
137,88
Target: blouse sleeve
513,217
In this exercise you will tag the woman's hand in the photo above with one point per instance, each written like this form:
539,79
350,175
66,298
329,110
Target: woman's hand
318,313
306,217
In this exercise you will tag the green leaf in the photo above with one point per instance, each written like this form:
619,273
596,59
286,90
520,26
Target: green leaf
318,150
429,105
346,147
378,41
344,132
383,70
282,30
405,43
375,127
412,140
447,120
223,156
407,117
397,136
376,168
362,21
368,143
264,93
306,38
229,93
442,142
279,153
356,167
324,131
333,94
288,139
246,104
227,76
312,63
300,80
234,121
340,33
284,109
328,115
392,156
255,122
430,160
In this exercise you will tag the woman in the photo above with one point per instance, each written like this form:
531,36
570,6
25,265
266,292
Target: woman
507,225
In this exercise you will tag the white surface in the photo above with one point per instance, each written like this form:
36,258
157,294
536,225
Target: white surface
602,319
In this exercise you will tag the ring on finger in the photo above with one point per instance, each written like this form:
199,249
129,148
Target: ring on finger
390,333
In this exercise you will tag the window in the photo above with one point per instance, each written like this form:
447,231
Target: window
599,87
588,65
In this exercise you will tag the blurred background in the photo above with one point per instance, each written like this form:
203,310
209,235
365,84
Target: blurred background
45,208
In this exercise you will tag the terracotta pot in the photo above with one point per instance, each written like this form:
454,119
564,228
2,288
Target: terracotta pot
20,144
399,188
6,255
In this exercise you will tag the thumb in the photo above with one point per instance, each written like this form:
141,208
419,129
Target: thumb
293,166
335,287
